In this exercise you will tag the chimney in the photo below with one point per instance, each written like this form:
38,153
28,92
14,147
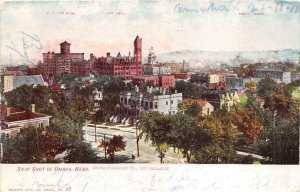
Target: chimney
108,54
33,108
163,91
7,111
175,91
148,89
137,89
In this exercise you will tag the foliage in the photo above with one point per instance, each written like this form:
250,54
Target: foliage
32,145
265,87
115,144
247,122
186,135
81,152
189,90
223,138
280,140
193,110
70,80
156,127
25,95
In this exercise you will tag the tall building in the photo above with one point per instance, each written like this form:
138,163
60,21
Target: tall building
65,61
57,63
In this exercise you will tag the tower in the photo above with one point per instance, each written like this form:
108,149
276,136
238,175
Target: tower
138,49
65,48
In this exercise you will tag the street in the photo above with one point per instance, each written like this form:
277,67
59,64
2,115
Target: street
147,152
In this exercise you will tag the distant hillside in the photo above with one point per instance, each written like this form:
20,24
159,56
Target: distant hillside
201,58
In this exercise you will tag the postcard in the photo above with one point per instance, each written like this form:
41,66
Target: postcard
150,95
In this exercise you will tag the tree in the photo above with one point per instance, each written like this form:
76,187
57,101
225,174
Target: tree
81,152
156,128
193,110
247,122
115,144
223,138
279,140
265,87
186,135
32,145
189,90
70,80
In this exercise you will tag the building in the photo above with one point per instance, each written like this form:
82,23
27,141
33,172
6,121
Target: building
206,107
134,102
222,99
123,66
57,63
205,78
65,61
295,76
185,75
13,119
156,69
272,73
13,82
165,81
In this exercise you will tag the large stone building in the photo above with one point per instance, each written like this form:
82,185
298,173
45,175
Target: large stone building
65,61
57,63
13,119
275,74
134,102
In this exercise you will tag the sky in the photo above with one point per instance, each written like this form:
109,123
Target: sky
29,29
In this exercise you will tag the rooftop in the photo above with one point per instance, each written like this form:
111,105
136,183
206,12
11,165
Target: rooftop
17,114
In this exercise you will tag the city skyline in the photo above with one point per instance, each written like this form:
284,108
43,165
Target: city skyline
100,27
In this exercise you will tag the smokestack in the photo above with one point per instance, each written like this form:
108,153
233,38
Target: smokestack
33,108
7,111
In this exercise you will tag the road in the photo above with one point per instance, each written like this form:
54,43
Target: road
147,152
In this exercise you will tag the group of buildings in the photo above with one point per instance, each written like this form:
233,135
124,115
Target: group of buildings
159,78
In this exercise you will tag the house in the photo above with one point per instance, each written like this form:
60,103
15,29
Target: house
13,119
222,99
206,107
12,82
134,102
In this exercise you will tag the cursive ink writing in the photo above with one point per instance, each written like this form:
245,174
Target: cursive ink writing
64,180
240,6
28,42
212,7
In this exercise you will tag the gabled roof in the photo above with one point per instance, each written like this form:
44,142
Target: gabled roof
27,80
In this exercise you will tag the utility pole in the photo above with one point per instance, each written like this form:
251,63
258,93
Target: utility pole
137,140
104,148
95,128
274,131
1,152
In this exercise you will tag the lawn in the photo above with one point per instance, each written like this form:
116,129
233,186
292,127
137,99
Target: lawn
243,99
296,94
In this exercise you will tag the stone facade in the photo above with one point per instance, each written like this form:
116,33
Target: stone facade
132,103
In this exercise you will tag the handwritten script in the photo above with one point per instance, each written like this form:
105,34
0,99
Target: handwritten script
28,42
237,6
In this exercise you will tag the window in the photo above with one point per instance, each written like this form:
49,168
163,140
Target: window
167,104
172,102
